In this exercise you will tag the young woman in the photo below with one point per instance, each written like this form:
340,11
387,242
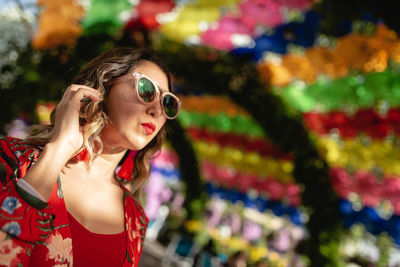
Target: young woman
67,195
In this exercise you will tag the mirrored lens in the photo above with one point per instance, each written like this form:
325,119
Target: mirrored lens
146,90
170,105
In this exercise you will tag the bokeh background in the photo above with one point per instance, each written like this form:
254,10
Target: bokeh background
286,152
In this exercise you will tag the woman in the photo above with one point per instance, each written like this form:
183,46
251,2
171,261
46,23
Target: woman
64,197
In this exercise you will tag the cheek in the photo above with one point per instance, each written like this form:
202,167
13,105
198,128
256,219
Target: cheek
161,123
121,100
123,110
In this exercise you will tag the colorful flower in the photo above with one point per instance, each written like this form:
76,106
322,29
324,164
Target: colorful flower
134,232
10,204
12,228
372,123
58,24
8,252
251,230
59,249
300,67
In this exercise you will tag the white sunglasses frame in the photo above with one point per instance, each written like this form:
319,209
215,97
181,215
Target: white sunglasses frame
161,92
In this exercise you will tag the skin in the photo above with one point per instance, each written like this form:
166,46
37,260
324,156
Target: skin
91,194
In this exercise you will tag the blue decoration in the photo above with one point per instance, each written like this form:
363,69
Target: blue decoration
12,228
10,204
259,203
370,218
301,34
168,174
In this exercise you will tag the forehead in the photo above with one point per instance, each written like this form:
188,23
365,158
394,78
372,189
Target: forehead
154,72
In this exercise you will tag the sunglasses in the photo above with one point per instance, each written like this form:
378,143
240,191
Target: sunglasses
147,91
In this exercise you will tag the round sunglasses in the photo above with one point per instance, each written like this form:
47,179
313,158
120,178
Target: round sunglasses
147,91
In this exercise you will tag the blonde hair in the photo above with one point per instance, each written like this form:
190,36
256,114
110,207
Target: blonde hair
93,117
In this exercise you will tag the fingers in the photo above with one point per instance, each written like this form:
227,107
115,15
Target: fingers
82,93
86,92
75,87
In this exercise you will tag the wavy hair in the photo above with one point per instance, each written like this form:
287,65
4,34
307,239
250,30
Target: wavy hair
93,117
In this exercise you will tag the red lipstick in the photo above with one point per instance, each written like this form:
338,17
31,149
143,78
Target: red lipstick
149,128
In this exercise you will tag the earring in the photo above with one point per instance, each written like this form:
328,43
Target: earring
83,155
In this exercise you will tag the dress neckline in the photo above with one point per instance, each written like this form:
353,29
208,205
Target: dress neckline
82,228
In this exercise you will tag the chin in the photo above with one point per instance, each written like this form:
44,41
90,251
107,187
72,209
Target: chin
138,143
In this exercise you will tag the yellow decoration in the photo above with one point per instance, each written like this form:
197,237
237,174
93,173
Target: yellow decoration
239,244
258,253
389,41
377,154
276,259
325,60
58,24
194,225
212,105
217,3
246,162
236,243
188,20
359,51
353,51
190,16
300,67
275,74
43,111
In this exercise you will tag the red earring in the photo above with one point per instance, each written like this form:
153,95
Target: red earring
125,171
82,156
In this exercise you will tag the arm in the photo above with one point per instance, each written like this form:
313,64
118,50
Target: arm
22,215
66,140
43,175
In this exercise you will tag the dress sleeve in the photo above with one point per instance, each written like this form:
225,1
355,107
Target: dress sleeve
23,216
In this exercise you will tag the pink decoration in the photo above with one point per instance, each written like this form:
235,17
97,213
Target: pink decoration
391,192
216,214
243,182
371,189
343,183
368,188
299,4
282,240
156,194
218,39
221,36
251,230
261,12
147,11
234,25
166,159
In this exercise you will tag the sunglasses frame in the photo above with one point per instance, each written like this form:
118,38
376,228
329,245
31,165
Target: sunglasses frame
159,91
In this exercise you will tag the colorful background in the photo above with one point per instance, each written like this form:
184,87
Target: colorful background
287,145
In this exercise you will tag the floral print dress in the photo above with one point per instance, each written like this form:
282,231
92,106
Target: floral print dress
27,223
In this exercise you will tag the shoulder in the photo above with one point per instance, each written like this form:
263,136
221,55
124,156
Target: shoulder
133,208
16,154
18,147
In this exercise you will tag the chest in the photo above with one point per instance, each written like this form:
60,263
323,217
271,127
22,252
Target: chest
96,206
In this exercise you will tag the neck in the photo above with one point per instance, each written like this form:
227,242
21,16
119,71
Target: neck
102,167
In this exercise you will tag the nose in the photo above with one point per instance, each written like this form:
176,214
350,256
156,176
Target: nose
154,109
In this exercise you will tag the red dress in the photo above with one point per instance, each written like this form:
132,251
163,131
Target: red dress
30,227
91,249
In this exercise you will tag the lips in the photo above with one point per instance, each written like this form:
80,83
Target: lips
149,128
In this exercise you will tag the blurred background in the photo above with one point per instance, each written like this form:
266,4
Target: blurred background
286,152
